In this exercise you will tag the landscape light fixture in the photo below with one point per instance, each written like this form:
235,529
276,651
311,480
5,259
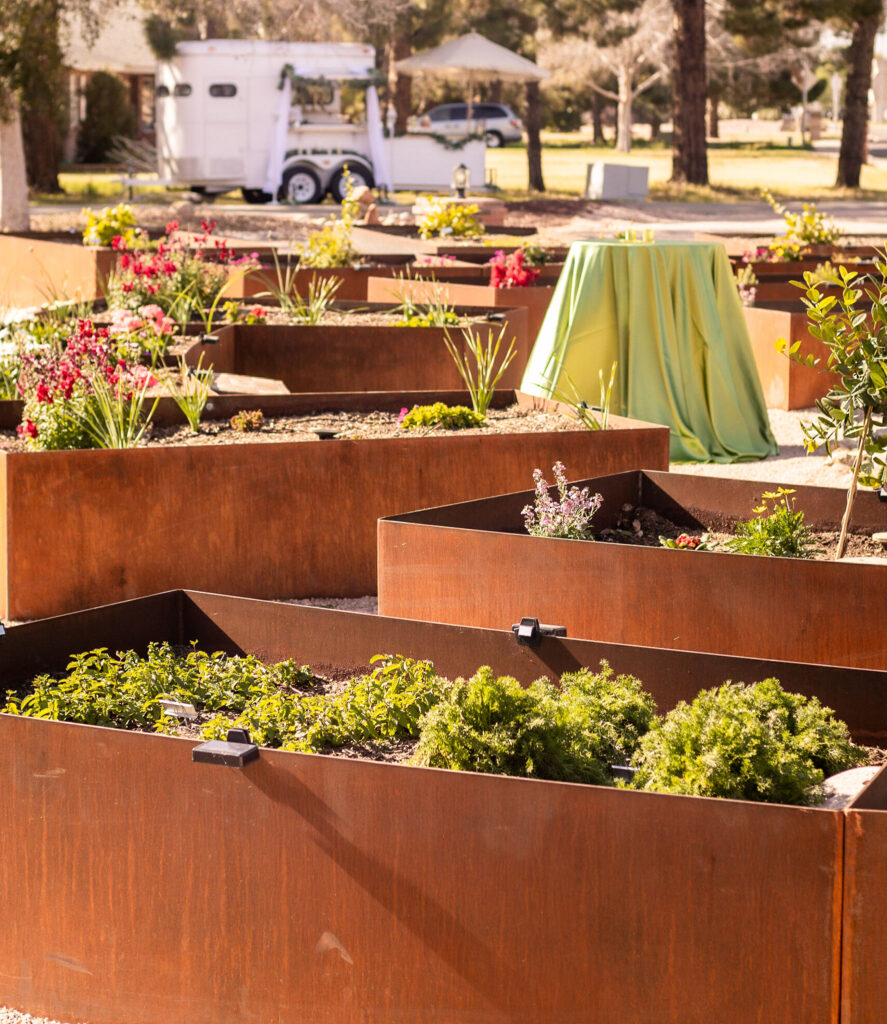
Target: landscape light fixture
529,631
461,180
235,752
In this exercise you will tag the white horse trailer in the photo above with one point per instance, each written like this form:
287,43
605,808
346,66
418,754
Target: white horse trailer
267,118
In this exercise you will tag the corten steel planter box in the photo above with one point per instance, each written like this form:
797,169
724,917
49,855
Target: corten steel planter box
785,383
140,886
353,280
536,298
762,607
362,357
42,266
288,519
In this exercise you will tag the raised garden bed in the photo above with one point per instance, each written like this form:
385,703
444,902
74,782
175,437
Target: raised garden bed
535,298
705,601
375,357
128,854
353,280
284,519
786,384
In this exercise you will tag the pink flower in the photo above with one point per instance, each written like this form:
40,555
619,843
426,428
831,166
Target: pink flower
403,415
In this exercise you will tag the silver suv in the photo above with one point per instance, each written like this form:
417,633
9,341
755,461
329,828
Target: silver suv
497,123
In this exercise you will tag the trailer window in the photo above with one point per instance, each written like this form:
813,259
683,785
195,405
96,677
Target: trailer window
316,96
225,89
162,91
182,89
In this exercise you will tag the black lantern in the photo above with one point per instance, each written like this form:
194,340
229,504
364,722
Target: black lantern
461,180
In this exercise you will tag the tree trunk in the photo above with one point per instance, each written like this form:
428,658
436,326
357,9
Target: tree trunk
14,215
856,103
689,159
714,126
403,86
41,151
597,120
655,127
623,112
534,142
494,95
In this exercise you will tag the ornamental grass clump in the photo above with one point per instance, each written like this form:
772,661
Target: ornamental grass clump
484,369
567,516
573,733
778,530
747,743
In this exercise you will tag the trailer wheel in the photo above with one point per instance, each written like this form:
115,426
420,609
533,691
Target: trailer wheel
300,185
357,174
255,195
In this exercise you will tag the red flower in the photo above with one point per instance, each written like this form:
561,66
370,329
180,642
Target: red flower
172,226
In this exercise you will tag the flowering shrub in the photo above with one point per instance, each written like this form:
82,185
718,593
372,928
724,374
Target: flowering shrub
569,516
511,271
810,227
234,312
686,542
746,284
173,276
454,220
58,387
112,222
149,330
333,244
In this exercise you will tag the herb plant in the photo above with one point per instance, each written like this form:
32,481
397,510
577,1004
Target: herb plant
567,516
247,420
745,742
575,733
450,417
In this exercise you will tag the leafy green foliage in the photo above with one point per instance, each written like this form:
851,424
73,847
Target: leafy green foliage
59,426
386,704
745,742
777,530
124,690
450,417
853,327
450,220
481,367
333,244
810,227
490,724
109,114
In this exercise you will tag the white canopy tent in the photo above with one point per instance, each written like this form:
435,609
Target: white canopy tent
472,58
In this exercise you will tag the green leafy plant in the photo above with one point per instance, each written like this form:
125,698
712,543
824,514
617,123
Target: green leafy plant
777,530
575,733
446,219
578,407
189,388
247,420
825,273
450,417
113,416
748,743
103,226
433,312
484,370
853,327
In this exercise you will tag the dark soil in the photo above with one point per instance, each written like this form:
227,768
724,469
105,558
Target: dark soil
644,526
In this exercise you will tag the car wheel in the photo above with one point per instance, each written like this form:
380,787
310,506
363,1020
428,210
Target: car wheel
300,185
357,174
255,196
493,139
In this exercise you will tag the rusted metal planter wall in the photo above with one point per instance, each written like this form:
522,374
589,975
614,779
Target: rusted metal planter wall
353,280
785,609
265,520
357,358
40,267
535,298
141,887
786,384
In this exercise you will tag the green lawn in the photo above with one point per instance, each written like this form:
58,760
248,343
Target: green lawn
737,171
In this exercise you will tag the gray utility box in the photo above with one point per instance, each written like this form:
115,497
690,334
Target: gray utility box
616,181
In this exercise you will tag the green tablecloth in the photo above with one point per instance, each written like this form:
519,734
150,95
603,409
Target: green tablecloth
670,315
